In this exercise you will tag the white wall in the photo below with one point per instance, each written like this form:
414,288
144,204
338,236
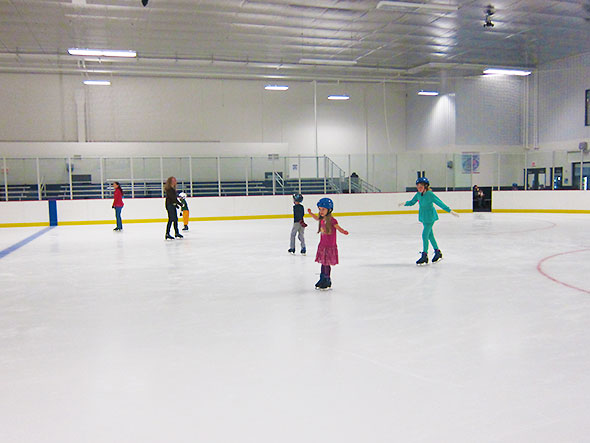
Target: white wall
561,98
490,110
24,213
483,113
539,201
142,109
431,122
139,149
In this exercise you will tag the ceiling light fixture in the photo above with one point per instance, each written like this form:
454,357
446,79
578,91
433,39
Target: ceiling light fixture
326,61
501,71
429,93
391,5
276,87
102,52
97,82
339,97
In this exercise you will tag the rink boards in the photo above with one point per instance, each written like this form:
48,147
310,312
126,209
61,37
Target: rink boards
81,212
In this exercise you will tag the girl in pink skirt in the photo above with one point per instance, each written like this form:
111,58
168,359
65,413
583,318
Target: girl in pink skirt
327,253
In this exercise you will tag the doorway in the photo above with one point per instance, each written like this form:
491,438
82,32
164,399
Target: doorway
557,177
535,178
585,175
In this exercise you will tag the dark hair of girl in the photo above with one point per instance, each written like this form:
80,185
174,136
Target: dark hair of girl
119,186
328,219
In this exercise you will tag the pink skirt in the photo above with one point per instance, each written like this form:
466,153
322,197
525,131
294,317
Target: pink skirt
327,255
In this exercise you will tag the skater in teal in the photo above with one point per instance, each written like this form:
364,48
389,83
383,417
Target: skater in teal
427,216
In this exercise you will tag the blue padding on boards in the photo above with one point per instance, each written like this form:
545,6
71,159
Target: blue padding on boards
52,213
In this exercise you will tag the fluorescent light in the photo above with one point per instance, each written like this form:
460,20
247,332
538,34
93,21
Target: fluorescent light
430,93
102,52
276,88
339,97
97,82
499,71
390,5
327,61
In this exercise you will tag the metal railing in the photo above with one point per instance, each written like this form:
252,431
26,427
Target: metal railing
91,177
143,177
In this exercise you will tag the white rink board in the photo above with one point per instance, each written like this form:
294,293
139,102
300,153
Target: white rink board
566,200
150,210
24,212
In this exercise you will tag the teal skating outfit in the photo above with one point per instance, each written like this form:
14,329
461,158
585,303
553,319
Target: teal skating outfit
427,215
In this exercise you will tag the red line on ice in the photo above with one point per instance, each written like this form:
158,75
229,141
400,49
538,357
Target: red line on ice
540,269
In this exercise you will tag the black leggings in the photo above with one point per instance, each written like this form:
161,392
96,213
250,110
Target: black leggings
172,218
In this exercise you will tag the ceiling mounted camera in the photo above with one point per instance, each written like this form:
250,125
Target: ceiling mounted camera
489,11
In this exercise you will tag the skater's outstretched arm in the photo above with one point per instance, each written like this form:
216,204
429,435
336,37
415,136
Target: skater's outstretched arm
440,203
315,217
410,202
339,229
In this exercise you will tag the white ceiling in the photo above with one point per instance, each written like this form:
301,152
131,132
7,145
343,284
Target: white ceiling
267,38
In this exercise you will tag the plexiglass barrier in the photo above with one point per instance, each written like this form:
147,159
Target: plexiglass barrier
143,177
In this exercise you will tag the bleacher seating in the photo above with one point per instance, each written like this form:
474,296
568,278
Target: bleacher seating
19,192
153,189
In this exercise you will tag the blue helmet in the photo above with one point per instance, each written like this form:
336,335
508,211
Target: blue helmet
326,203
423,180
298,197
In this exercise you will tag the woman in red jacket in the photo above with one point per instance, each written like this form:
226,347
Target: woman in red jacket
118,205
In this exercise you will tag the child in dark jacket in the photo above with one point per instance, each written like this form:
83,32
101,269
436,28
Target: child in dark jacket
298,224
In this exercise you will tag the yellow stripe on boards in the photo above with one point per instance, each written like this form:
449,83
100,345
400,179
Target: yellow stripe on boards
244,217
109,222
23,225
218,218
544,211
279,216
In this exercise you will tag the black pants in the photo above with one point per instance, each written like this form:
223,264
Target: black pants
172,218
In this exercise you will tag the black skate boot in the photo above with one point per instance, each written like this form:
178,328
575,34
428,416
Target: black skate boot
320,282
177,235
303,251
423,260
168,237
185,228
437,256
324,284
291,251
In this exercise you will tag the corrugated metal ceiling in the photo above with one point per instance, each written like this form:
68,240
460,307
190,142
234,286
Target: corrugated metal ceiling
255,39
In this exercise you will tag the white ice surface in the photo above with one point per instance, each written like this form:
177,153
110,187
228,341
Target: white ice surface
220,337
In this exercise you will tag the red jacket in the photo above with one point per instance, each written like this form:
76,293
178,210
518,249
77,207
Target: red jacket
118,202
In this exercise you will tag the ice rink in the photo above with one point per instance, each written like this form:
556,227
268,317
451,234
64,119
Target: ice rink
221,337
